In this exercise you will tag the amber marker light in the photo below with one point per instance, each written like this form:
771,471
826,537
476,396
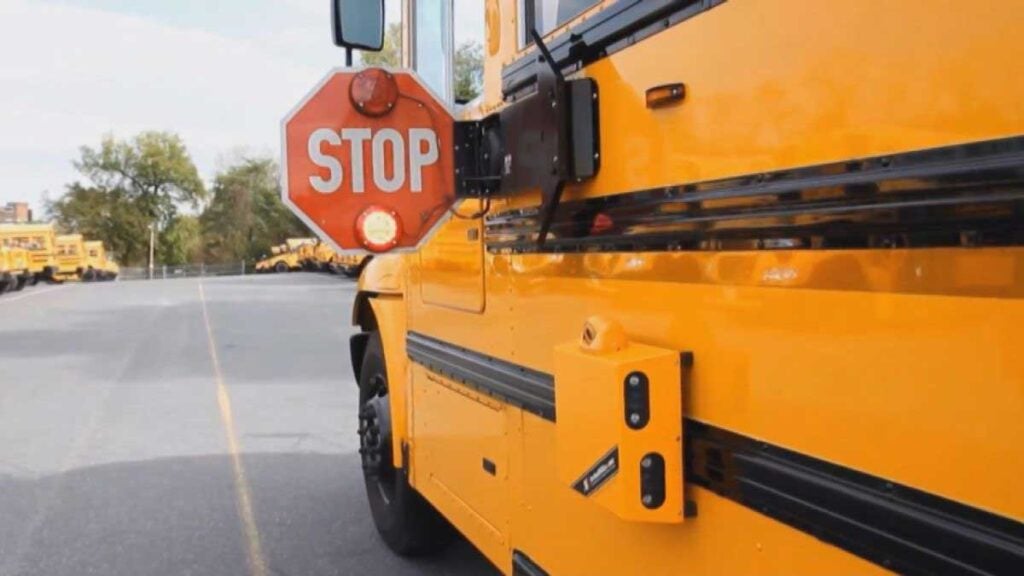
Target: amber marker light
378,229
374,92
665,95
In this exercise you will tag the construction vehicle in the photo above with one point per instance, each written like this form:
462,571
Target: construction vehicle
14,268
39,240
70,249
98,265
735,288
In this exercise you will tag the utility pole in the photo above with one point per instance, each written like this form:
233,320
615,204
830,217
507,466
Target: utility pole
152,243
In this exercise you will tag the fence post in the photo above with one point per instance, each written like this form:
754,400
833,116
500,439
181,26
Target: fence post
243,267
165,271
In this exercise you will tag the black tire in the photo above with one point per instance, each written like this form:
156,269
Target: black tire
351,271
406,522
33,279
280,267
20,282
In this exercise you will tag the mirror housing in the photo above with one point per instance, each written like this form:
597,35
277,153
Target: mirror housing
358,24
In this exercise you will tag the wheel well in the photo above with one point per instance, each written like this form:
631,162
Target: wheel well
362,316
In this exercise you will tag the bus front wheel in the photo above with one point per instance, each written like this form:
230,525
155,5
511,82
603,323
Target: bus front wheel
406,522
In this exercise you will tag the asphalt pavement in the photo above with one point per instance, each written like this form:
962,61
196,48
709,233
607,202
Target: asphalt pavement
187,427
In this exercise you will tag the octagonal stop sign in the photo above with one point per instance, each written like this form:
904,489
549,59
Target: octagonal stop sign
368,160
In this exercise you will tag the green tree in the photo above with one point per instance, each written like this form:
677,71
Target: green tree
153,169
132,185
469,71
180,242
246,216
391,54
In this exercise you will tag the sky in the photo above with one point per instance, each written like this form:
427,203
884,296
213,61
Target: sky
220,73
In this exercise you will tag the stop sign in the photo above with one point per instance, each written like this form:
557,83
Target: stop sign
368,160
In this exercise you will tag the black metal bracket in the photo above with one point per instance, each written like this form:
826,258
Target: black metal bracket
543,140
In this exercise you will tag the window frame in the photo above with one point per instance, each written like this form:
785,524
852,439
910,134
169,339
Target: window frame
527,20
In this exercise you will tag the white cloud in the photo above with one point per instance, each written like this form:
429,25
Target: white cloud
68,75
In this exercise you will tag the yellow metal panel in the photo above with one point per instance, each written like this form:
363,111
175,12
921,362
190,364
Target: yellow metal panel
454,432
451,266
384,274
775,84
893,384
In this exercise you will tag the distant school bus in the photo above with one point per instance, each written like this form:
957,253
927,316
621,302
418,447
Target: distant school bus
282,259
71,262
98,265
737,288
351,265
14,271
39,240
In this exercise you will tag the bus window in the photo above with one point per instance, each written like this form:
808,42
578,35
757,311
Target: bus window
546,15
432,42
469,52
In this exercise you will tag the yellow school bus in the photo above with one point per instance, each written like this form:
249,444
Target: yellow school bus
350,265
70,250
737,287
39,240
323,256
98,265
14,270
283,259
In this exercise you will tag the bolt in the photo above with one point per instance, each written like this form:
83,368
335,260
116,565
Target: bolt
634,418
645,463
634,380
648,499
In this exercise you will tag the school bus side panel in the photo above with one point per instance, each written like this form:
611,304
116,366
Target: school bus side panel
890,362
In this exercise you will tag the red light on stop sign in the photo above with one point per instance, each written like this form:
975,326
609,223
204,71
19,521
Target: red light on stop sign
370,139
374,92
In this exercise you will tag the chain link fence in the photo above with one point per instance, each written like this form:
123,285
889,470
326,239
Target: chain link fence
186,271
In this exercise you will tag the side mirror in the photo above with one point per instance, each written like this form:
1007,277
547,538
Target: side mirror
358,24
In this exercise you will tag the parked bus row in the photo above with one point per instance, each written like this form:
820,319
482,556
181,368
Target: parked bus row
33,253
308,254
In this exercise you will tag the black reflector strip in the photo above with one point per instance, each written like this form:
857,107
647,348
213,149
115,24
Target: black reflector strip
901,528
890,524
528,389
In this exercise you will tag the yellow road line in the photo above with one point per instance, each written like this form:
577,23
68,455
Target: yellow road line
41,291
243,494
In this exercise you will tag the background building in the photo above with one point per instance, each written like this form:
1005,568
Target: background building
15,212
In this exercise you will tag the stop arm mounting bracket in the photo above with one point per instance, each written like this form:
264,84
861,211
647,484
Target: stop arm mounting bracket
541,140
